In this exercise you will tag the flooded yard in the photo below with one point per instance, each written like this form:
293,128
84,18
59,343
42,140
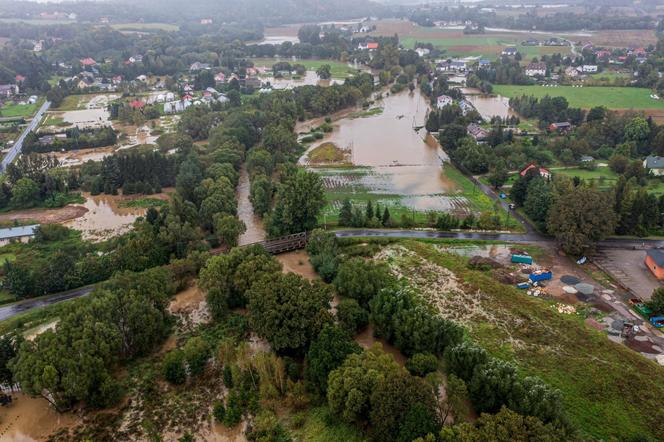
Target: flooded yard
105,217
489,105
394,161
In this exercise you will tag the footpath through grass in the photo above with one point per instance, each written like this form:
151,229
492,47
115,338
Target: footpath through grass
587,97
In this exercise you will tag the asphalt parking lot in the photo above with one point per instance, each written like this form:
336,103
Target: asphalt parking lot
628,267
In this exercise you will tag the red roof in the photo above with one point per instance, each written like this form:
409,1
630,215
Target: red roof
137,104
20,78
372,45
187,97
88,62
541,170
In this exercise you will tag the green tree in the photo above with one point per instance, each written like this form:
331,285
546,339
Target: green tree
327,352
196,353
352,317
25,193
228,228
421,364
656,302
227,277
361,279
538,201
173,367
288,310
580,217
300,199
350,386
346,214
398,398
505,426
324,72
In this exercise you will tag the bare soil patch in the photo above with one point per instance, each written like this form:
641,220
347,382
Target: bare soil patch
297,262
45,216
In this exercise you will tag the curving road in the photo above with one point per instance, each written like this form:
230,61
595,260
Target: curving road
19,307
18,145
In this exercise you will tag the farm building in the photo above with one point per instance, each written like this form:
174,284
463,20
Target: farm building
563,126
655,262
22,234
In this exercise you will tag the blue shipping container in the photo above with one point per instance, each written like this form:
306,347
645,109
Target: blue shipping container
522,259
536,277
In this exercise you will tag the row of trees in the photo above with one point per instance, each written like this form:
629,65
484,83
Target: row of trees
76,139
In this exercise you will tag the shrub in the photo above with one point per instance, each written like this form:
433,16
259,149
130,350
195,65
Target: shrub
421,364
219,411
352,317
173,367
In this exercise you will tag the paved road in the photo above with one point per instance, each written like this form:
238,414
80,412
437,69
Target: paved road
16,308
18,145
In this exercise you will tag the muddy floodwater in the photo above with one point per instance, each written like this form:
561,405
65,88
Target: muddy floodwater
393,156
31,419
308,79
105,218
245,211
489,105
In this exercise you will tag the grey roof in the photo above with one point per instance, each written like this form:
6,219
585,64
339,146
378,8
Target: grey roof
654,162
657,255
18,232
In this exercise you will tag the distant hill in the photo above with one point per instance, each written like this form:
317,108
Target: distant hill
266,11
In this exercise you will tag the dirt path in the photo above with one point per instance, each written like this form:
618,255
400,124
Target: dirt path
45,216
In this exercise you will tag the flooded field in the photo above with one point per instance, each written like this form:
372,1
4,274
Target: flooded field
309,79
104,217
394,160
297,262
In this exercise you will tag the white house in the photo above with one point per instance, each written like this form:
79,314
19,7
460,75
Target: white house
654,164
444,100
422,51
589,68
536,69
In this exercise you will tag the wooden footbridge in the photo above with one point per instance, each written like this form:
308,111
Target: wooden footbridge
285,244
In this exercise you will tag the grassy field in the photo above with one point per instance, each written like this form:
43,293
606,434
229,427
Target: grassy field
487,45
587,97
610,392
144,203
20,110
145,27
37,22
338,69
603,176
327,153
72,102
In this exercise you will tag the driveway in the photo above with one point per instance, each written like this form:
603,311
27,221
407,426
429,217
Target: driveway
628,267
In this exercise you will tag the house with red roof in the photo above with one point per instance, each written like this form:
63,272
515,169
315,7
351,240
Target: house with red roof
542,171
136,104
88,62
20,78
